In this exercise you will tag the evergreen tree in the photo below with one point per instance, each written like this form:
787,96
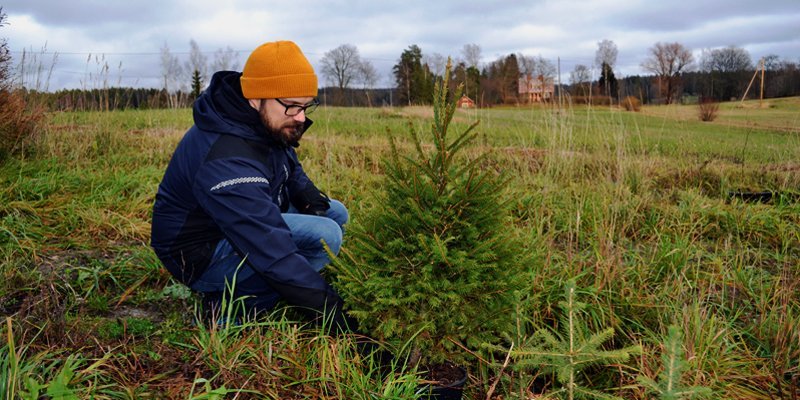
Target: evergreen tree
414,80
500,80
669,385
571,350
607,81
435,263
472,85
510,79
197,84
467,77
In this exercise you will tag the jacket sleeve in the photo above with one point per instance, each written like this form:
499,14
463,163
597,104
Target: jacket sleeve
235,193
303,194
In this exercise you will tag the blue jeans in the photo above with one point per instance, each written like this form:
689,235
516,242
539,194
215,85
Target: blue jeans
307,231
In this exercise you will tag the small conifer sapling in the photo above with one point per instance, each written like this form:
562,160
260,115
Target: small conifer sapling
434,265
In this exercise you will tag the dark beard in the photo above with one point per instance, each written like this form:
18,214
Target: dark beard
291,138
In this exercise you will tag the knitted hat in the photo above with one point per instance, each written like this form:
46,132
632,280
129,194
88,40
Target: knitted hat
278,69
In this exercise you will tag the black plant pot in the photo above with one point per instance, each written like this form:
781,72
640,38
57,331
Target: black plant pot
766,196
752,197
449,391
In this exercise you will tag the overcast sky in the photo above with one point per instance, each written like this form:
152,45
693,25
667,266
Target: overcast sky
128,35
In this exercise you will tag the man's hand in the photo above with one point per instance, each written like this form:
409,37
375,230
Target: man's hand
311,201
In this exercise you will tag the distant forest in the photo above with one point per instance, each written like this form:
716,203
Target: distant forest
487,89
695,85
672,73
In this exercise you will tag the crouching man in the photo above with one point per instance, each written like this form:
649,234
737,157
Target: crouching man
235,208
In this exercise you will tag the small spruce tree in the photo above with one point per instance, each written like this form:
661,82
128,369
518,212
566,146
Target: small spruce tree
669,385
571,350
197,84
434,264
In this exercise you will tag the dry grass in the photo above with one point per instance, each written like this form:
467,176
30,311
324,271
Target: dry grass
19,123
774,115
631,205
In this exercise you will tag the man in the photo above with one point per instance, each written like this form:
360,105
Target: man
235,212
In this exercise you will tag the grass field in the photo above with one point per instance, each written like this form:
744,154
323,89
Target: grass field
635,207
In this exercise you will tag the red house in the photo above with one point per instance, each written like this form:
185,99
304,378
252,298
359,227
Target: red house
465,102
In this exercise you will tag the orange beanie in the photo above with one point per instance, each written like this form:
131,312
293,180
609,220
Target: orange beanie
276,70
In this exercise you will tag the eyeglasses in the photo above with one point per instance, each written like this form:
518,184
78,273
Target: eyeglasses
294,109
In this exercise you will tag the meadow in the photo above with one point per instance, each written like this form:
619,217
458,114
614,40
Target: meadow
638,209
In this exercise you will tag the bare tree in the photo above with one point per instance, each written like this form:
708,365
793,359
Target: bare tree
728,59
472,54
667,61
536,66
527,64
729,71
605,58
435,61
581,77
197,64
171,73
225,60
340,65
772,62
5,56
368,76
606,53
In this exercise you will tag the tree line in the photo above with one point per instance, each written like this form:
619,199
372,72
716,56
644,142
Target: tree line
672,75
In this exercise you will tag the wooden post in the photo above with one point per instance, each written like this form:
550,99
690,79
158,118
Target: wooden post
763,67
559,84
749,85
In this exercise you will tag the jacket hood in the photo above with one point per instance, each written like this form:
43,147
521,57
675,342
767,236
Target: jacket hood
222,108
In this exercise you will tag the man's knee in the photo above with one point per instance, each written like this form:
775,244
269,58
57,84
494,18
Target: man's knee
338,212
330,232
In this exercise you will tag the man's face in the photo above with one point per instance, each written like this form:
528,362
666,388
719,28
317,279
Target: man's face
285,128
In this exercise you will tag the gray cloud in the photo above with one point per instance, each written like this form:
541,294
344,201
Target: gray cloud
678,16
128,35
91,14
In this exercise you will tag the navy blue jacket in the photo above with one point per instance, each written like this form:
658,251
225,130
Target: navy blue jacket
229,179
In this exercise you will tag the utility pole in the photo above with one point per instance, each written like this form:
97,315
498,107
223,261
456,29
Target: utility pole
755,74
559,83
763,67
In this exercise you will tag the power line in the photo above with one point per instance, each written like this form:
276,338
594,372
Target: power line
45,52
115,53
